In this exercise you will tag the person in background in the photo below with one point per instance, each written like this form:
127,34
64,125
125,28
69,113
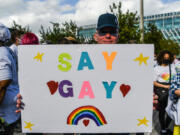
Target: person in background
29,39
9,87
175,60
174,96
16,40
176,63
163,73
68,40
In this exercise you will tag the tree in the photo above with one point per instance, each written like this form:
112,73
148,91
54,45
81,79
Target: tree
154,36
58,31
128,24
51,35
17,30
129,30
18,27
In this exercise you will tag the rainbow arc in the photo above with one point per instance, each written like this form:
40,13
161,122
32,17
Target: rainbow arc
90,112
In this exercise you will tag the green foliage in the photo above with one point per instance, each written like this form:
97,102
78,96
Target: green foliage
129,30
59,31
51,35
16,31
18,27
128,24
91,41
154,36
69,29
169,45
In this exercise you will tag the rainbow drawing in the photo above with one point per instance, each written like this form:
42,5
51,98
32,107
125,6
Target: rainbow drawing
90,112
165,76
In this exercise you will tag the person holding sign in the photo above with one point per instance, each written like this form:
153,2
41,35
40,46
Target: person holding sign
107,33
8,84
107,29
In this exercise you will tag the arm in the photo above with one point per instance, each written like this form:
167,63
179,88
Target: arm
174,87
177,92
156,76
3,85
161,85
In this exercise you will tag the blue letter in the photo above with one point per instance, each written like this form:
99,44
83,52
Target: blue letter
85,61
109,89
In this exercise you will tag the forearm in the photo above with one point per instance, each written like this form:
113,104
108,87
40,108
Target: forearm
3,85
177,92
161,85
2,93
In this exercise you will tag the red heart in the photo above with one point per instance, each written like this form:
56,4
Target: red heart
125,89
86,122
52,86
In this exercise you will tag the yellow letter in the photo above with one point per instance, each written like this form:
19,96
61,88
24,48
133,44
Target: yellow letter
109,59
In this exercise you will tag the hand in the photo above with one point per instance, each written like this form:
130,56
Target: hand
155,101
19,103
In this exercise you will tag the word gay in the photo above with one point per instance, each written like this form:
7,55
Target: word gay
84,61
86,89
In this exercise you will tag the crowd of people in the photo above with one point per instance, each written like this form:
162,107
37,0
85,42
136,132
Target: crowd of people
166,77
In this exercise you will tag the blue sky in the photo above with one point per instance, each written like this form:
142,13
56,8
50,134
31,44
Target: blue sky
166,1
70,2
73,2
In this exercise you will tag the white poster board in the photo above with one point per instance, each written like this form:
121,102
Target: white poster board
86,88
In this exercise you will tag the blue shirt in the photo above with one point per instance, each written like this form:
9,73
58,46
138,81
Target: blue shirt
8,70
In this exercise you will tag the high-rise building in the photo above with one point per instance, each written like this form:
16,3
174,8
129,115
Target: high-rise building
167,23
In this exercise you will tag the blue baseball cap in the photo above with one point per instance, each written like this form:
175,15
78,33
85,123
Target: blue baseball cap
107,20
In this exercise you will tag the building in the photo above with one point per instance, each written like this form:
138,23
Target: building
87,31
167,23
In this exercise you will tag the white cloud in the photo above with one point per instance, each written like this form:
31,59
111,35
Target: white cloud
35,12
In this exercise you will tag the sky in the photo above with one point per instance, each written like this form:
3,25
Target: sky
84,12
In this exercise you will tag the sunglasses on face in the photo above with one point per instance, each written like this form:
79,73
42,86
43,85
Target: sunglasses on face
111,32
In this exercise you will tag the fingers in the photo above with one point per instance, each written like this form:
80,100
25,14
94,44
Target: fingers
19,96
155,101
155,97
17,111
19,103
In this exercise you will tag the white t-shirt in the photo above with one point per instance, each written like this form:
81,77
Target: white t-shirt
161,73
155,63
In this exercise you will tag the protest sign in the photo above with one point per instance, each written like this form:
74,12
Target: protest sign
86,88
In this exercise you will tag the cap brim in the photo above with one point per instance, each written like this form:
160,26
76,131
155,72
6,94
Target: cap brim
107,25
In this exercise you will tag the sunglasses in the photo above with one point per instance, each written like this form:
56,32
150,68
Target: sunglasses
111,32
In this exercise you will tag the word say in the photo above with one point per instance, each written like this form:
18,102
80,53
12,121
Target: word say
84,61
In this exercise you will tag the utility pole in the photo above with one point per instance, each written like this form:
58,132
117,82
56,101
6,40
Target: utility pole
142,21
